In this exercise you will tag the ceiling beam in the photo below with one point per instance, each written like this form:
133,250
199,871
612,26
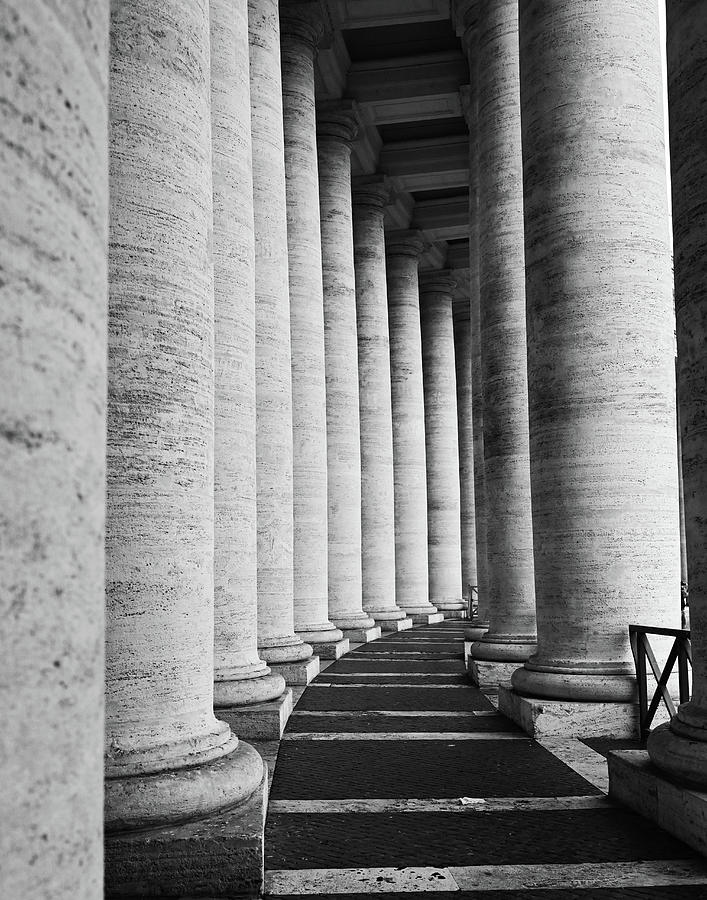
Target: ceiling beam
428,164
375,13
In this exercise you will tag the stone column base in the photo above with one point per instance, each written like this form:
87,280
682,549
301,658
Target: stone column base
221,855
473,632
332,649
487,674
300,672
395,625
637,783
453,613
427,618
541,718
362,635
263,721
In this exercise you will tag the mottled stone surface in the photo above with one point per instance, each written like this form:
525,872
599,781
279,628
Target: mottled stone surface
220,855
300,29
638,784
686,751
600,343
511,596
336,129
441,442
409,464
461,311
53,308
543,718
163,742
273,378
471,111
376,422
240,676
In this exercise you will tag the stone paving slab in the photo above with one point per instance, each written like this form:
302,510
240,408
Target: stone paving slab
403,667
321,769
391,678
392,698
371,722
666,892
446,839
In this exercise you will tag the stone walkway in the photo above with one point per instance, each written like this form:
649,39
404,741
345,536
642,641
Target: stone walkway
396,776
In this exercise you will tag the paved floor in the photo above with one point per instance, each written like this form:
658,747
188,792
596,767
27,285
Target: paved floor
397,776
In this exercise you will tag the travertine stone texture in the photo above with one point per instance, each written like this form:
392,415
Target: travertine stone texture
53,308
240,676
441,442
300,27
471,112
336,128
600,343
461,312
511,633
376,417
165,750
273,378
403,249
681,750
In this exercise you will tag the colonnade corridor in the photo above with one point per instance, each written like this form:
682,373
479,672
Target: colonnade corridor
396,775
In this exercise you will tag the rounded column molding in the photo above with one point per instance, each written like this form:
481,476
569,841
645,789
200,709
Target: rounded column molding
301,27
509,529
370,195
680,749
441,441
600,344
403,250
240,675
53,259
277,640
165,751
336,129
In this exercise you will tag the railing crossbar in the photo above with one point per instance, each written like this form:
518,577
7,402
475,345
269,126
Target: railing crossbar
680,652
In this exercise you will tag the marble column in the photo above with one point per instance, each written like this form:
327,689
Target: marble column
600,344
680,749
511,596
167,757
403,251
441,442
461,312
470,97
240,675
376,417
336,129
277,640
53,230
300,30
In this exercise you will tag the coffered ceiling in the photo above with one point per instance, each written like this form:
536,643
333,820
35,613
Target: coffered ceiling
402,64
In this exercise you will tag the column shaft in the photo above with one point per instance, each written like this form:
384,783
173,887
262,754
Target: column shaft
240,676
300,31
161,734
409,461
334,136
376,417
273,378
471,111
461,311
600,343
681,748
441,442
53,307
511,634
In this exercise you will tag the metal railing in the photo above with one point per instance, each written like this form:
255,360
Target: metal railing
680,652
